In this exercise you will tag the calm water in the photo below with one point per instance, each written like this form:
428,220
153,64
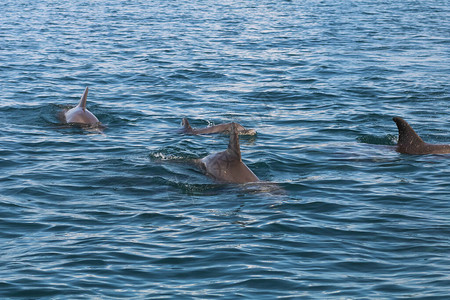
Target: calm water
121,214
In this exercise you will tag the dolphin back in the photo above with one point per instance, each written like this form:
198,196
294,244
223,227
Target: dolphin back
79,114
221,128
227,166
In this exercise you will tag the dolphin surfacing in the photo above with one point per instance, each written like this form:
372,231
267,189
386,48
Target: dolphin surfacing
221,128
409,142
227,166
80,114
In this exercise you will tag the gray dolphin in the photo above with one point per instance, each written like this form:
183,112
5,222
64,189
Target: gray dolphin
227,166
221,128
79,114
409,142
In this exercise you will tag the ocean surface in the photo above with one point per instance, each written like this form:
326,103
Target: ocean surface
120,212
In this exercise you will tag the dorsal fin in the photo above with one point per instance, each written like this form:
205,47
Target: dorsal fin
186,125
83,99
406,135
234,150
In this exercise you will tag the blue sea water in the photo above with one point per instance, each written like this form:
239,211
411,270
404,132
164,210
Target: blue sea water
120,213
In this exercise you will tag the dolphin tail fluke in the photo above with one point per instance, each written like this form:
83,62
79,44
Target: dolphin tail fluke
233,146
406,135
83,99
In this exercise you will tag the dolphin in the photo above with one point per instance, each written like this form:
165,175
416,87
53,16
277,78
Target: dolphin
79,114
221,128
409,142
227,166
